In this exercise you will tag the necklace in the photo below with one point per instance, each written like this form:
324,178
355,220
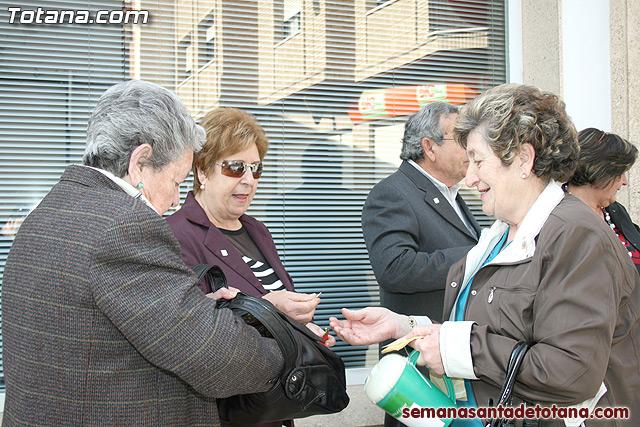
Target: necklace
607,219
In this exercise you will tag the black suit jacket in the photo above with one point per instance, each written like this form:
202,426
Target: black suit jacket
413,236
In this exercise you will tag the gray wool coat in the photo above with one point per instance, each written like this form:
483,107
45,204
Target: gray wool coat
103,324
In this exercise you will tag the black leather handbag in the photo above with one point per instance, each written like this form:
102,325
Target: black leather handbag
506,397
313,379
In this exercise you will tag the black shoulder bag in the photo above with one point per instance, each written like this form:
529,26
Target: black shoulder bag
506,397
313,379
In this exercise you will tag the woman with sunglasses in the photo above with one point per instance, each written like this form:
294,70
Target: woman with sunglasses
212,226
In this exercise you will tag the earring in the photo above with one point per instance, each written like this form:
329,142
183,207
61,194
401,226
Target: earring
523,176
140,185
202,186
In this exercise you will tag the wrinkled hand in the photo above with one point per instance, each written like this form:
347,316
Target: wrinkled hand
224,293
330,342
298,306
429,347
369,325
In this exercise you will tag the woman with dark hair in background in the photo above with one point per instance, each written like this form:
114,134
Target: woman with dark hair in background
605,159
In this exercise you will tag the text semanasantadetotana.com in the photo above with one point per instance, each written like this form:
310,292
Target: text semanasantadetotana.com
516,412
19,15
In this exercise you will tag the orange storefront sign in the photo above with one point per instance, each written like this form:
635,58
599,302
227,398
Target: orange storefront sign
398,101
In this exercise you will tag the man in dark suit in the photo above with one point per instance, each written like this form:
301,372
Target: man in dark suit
415,224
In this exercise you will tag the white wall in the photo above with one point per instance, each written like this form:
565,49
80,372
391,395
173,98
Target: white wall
584,54
586,62
514,41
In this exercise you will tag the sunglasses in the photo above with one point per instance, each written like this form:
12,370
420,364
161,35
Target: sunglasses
237,168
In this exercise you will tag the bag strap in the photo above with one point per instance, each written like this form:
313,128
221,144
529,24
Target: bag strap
281,326
506,393
215,276
515,360
265,312
272,319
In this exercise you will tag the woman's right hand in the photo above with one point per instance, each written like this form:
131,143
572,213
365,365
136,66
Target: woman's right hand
370,325
298,306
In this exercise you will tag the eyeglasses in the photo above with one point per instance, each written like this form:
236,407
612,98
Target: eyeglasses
237,168
448,139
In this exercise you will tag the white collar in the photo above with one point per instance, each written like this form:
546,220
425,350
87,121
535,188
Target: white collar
126,187
523,245
453,190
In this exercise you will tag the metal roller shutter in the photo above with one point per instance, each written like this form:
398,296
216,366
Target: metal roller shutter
331,81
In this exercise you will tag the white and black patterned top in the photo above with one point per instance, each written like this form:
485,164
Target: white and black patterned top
265,274
243,242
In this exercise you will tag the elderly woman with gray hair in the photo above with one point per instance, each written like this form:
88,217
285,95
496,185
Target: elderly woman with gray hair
548,271
103,324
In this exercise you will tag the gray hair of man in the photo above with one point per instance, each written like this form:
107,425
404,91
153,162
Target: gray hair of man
426,123
137,112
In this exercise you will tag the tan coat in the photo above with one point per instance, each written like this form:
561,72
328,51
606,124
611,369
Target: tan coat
577,295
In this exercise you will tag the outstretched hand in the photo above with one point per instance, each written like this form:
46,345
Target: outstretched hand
369,325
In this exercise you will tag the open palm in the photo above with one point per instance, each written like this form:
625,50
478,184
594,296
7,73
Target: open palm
367,326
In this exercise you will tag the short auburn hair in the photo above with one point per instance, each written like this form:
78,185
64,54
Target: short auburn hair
229,131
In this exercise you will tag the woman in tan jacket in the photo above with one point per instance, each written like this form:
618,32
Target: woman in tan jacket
548,270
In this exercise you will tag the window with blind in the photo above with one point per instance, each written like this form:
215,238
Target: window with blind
331,81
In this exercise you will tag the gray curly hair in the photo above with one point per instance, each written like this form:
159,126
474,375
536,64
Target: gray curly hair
510,115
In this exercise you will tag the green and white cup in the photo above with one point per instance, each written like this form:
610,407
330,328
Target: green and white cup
396,385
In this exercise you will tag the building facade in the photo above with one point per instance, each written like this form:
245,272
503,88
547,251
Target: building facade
332,82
